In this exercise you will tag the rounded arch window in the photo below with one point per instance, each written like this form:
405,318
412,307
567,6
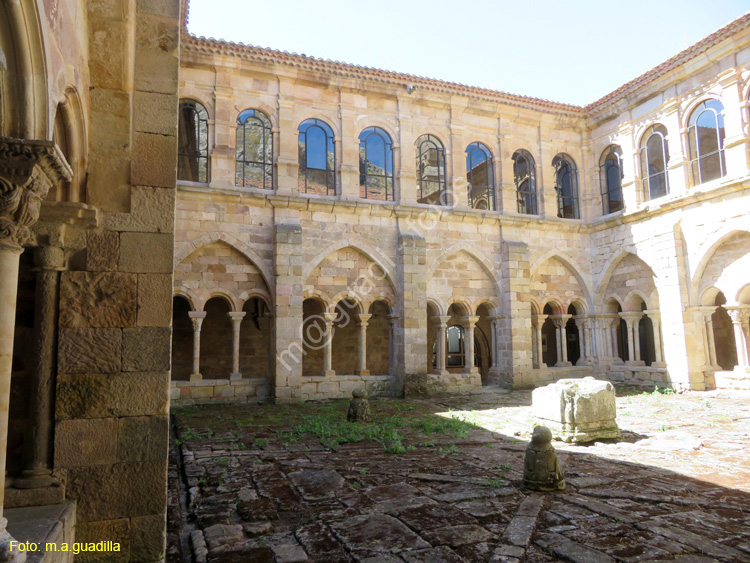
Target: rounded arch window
610,179
317,158
192,145
706,142
254,150
431,187
566,185
480,177
654,157
375,165
524,174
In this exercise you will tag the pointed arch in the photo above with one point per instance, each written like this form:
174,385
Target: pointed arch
712,246
602,283
569,263
488,267
263,267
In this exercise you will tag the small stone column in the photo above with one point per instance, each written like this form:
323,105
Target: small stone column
494,322
328,346
634,346
196,318
236,319
614,325
442,324
739,318
37,472
562,344
362,350
392,344
27,171
653,314
537,321
470,323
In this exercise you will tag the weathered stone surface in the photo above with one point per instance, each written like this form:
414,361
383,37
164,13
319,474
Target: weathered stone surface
102,251
96,300
455,536
146,349
442,554
541,469
85,442
359,407
89,350
142,438
387,493
317,484
154,113
146,253
150,211
289,553
577,410
118,531
152,163
429,517
571,550
116,394
378,532
148,538
222,536
154,300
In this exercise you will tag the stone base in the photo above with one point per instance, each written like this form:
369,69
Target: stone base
362,372
432,384
236,376
44,525
577,434
20,498
255,390
196,377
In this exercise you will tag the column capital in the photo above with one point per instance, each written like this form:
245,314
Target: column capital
330,317
470,321
236,317
197,314
494,318
538,320
560,320
738,314
28,169
631,317
363,318
49,258
442,320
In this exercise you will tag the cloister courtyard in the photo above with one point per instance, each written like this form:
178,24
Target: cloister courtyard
440,479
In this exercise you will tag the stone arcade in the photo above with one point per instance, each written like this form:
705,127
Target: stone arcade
446,237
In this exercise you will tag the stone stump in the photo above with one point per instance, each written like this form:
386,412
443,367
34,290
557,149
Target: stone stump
577,410
359,407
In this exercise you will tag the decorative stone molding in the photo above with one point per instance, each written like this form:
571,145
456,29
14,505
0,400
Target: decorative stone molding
28,169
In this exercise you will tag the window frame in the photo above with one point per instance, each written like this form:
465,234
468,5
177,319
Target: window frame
694,150
461,354
646,177
330,170
531,193
199,155
610,154
267,133
490,167
563,160
438,146
388,178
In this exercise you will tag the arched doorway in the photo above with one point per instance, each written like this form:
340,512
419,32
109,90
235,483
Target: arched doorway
255,339
345,338
572,337
314,336
549,338
216,340
379,339
726,347
646,337
483,352
182,339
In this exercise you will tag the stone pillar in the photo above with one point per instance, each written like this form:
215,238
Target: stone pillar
362,350
197,319
392,344
739,318
328,348
614,324
562,343
27,171
442,325
537,321
634,346
494,327
37,473
469,324
582,322
236,319
653,314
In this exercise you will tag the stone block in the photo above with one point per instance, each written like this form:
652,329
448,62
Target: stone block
148,538
91,441
89,350
156,54
102,251
97,299
142,438
166,8
146,349
155,113
201,392
116,394
151,211
154,300
577,410
146,253
118,531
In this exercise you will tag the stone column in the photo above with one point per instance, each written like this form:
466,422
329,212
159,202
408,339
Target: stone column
537,321
362,351
27,171
634,347
442,324
37,473
197,319
392,344
562,344
739,318
236,319
653,314
614,324
328,347
493,341
582,322
469,324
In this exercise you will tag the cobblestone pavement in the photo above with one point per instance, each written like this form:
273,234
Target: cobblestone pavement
440,480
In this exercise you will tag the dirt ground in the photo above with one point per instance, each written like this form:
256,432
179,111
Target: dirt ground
441,480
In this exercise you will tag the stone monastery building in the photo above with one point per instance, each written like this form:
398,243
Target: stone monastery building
187,220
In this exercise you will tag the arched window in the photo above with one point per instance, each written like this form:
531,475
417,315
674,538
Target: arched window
524,172
317,157
430,170
654,158
455,356
375,165
254,153
480,176
706,142
566,185
610,178
192,150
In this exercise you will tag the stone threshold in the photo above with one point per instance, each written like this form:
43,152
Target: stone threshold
51,524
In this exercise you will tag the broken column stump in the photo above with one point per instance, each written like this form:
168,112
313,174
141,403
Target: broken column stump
359,407
541,469
577,410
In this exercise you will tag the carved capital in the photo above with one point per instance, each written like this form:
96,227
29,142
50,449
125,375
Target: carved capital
28,169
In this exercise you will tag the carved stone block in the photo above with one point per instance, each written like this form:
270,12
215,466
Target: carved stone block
91,299
146,349
89,350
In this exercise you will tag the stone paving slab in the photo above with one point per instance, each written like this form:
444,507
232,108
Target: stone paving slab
441,480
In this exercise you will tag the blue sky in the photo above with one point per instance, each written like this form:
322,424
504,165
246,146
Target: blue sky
571,51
